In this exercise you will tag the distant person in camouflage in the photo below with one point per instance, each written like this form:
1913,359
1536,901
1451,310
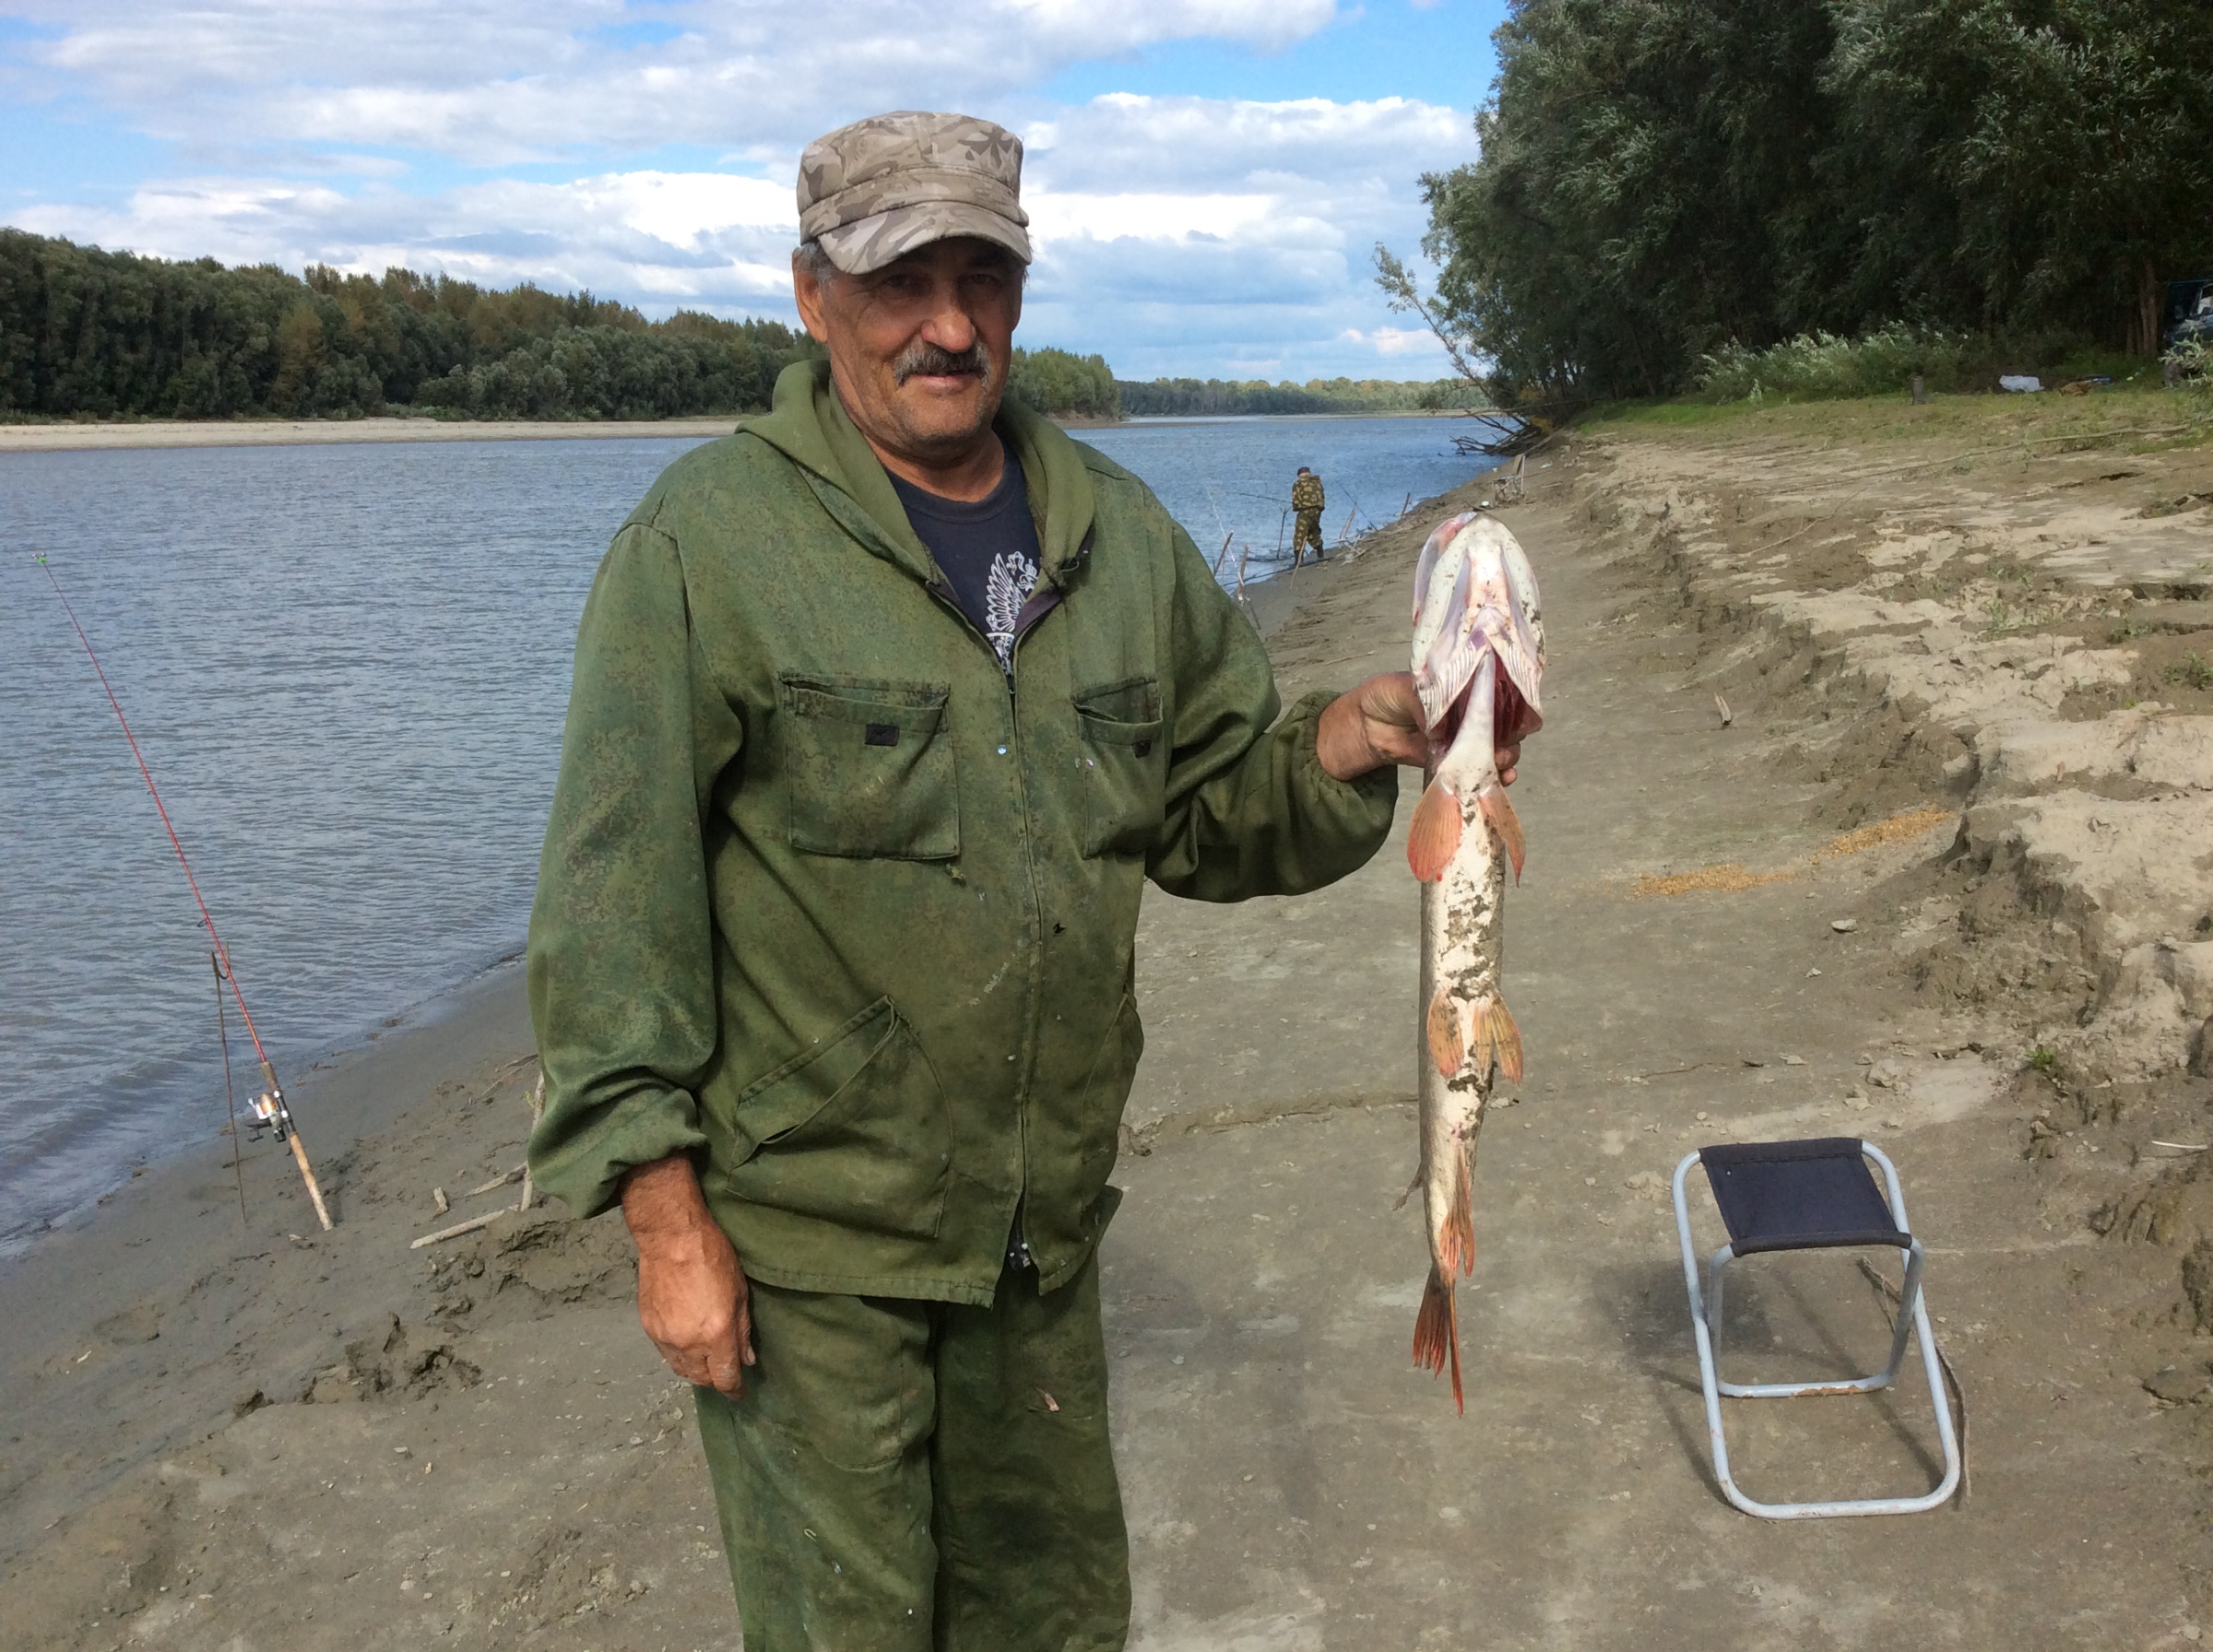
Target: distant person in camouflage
1306,501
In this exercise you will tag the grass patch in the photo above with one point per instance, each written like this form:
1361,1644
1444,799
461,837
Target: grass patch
1823,367
1979,430
2192,671
1674,415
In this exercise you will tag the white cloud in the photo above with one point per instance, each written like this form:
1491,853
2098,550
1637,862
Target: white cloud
493,81
1124,140
661,239
1397,341
1181,234
1150,216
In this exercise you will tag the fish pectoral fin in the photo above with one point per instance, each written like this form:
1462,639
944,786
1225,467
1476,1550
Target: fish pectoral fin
1504,1036
1433,836
1436,1333
1447,1047
1499,812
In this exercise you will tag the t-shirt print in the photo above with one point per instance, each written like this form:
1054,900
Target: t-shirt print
1006,587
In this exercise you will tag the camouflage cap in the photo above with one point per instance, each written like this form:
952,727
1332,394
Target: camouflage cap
878,189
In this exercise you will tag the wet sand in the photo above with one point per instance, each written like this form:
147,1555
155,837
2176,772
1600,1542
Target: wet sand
229,1436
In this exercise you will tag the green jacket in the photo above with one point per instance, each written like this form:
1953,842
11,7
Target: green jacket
833,904
1306,494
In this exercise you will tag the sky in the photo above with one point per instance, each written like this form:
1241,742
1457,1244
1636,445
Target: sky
1206,179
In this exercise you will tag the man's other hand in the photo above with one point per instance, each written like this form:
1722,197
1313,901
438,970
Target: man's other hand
1378,723
692,1293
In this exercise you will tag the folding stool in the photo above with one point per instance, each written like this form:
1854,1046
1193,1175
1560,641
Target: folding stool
1777,1195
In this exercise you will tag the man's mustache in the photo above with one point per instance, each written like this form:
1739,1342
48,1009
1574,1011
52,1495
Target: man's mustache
938,363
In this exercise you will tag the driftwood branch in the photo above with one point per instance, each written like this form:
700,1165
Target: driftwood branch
459,1228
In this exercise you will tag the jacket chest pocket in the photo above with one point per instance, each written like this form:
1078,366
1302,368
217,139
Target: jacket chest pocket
870,770
1123,751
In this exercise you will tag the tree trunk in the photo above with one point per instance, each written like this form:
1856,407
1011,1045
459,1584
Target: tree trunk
2143,326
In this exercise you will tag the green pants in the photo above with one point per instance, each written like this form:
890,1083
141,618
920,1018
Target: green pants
1305,530
903,1475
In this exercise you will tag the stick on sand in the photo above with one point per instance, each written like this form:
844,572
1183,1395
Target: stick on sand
459,1228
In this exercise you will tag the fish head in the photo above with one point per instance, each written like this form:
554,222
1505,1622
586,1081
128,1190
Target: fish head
1508,613
1445,656
1475,594
1434,551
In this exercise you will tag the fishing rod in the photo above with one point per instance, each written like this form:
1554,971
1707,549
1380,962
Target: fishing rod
268,1109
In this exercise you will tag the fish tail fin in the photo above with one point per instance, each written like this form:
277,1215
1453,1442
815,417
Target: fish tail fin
1499,812
1448,1049
1433,835
1436,1333
1505,1038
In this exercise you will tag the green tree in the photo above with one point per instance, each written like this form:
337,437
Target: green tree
2028,162
85,333
1662,178
1054,381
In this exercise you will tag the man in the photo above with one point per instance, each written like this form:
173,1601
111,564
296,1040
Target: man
884,709
1306,502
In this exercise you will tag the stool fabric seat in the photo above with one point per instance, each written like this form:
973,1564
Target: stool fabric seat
1798,1196
1815,1195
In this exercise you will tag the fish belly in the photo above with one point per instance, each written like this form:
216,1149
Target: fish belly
1462,935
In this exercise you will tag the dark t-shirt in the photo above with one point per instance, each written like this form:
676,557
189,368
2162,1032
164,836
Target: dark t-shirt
988,551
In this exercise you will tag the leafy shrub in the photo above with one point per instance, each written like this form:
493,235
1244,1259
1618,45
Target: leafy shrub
2189,366
1820,366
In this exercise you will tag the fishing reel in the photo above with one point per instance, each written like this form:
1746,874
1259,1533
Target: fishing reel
268,1112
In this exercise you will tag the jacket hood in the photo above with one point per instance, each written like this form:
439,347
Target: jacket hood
808,425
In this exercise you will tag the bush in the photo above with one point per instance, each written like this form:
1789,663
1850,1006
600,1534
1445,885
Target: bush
2189,365
1820,366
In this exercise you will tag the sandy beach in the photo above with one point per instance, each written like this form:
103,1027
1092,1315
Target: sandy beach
288,432
1872,800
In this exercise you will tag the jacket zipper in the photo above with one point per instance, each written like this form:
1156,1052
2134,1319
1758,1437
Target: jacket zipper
1018,1243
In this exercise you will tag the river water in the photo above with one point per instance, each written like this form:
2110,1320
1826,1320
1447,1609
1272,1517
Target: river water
347,667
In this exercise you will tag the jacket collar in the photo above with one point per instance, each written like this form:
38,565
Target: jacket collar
808,425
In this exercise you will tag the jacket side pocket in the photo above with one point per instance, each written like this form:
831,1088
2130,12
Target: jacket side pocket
857,1133
869,769
1125,758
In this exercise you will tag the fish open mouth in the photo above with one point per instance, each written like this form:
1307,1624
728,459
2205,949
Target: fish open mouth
1512,718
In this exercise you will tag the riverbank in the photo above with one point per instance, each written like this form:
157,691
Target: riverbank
1806,919
292,432
65,436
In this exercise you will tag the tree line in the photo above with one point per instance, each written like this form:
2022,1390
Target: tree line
87,333
1662,179
1215,397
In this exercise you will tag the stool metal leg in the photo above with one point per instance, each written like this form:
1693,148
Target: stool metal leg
1913,1311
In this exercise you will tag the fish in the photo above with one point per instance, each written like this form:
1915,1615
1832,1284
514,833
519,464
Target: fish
1478,663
